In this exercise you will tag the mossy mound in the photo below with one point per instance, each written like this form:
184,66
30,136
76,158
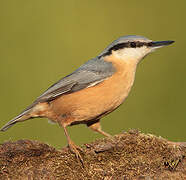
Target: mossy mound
130,155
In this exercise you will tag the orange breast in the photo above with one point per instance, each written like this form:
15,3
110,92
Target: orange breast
89,103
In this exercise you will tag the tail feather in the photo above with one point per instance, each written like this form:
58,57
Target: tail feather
21,117
26,114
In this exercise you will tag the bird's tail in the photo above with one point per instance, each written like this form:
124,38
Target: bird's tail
21,117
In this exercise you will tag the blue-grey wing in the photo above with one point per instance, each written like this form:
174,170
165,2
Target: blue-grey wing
89,74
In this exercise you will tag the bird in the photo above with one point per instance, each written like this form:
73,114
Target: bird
94,90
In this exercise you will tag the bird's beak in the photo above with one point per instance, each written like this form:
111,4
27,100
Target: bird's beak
159,44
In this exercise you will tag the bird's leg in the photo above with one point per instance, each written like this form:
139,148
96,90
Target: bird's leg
96,126
74,148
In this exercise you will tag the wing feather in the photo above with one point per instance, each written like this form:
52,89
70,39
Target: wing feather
90,74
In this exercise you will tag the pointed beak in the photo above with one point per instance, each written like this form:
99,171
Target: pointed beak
159,44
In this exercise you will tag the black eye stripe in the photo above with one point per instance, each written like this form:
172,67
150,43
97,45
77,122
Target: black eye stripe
129,44
133,44
149,44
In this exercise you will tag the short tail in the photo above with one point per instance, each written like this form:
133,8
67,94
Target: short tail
21,117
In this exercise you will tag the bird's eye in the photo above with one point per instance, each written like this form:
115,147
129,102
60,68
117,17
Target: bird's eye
133,44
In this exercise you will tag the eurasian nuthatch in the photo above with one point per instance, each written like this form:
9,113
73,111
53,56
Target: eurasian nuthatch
94,90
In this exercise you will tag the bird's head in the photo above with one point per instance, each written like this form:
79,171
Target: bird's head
133,47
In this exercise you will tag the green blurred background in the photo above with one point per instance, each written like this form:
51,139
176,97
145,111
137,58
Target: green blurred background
43,40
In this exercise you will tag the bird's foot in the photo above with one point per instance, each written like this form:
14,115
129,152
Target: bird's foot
96,126
105,134
75,149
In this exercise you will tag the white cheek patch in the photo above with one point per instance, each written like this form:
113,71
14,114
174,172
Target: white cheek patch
131,53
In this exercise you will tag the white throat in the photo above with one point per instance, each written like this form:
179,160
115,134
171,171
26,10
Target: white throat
128,54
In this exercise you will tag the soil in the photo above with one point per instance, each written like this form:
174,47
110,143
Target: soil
130,155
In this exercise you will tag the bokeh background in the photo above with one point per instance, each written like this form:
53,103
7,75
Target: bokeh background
43,40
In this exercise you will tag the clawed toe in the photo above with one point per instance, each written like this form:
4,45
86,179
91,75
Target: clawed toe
74,149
